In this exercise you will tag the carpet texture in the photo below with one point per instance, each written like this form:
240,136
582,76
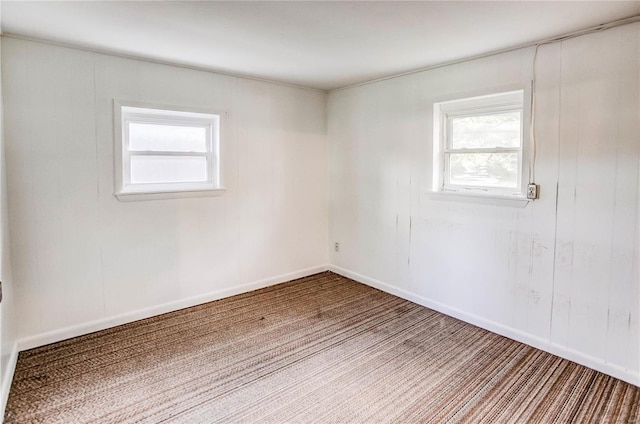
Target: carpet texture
321,349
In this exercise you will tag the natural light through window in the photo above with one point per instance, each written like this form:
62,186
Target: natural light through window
479,145
166,151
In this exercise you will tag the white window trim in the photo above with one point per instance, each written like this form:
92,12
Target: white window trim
472,104
162,114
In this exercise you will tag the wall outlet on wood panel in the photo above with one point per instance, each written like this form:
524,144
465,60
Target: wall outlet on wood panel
533,190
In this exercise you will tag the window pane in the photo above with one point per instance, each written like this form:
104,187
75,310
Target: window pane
168,169
484,169
486,131
172,138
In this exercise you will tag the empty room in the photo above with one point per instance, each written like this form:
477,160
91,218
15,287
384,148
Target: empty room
319,212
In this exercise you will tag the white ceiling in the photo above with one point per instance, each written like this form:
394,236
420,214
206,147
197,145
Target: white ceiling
323,45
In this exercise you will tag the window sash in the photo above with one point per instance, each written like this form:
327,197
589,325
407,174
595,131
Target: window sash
447,150
487,150
447,185
211,123
449,116
166,153
200,123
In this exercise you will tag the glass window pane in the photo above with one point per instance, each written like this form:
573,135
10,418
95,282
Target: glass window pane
484,169
486,131
172,138
168,169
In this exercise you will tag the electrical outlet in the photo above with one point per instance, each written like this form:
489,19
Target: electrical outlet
533,190
336,247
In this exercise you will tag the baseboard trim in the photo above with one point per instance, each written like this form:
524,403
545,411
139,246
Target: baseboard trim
495,327
7,379
108,322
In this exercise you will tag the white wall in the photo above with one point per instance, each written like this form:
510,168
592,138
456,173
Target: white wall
7,319
83,260
561,273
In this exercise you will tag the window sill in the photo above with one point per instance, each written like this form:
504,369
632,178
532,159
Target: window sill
160,195
515,202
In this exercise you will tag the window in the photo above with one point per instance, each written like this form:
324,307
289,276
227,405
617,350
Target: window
160,151
479,145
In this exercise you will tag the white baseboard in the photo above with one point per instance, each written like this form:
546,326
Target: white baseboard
108,322
7,379
495,327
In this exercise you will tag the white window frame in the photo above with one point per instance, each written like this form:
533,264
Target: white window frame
126,112
445,111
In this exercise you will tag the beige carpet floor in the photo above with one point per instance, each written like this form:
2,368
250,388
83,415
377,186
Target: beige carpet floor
321,349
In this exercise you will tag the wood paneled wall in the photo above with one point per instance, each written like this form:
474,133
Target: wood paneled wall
81,256
561,273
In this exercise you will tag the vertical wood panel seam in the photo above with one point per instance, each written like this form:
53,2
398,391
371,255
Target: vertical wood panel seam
615,183
555,223
576,154
29,138
236,129
98,203
637,207
61,95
